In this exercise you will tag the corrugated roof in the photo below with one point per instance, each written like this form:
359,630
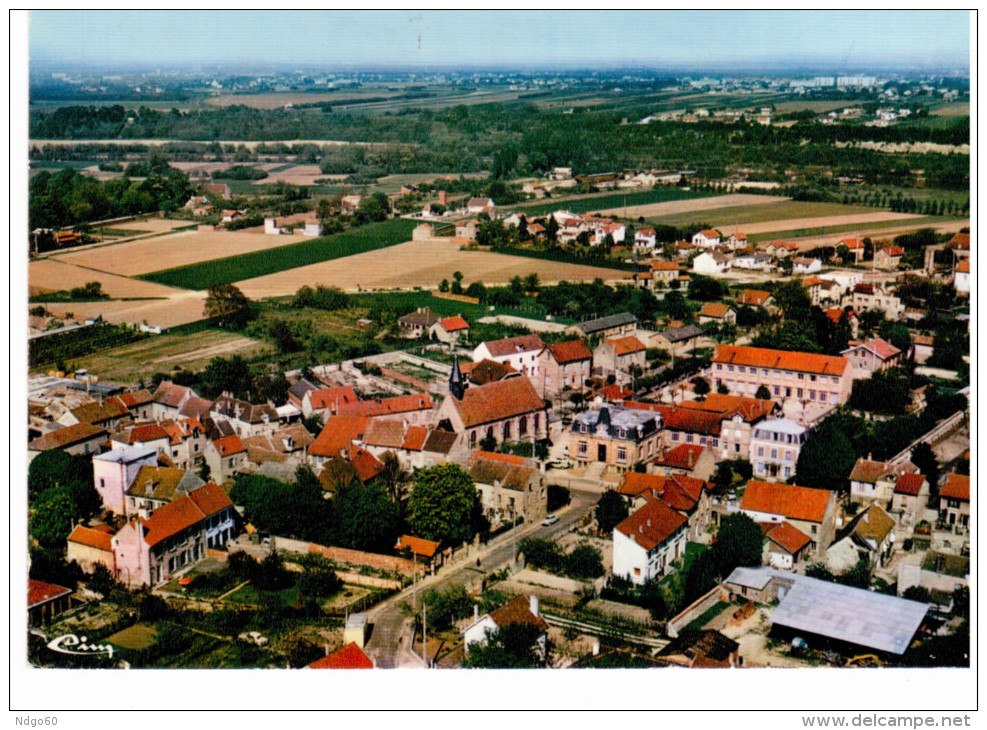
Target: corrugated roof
602,323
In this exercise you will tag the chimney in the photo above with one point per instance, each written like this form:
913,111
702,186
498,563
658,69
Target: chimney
692,458
476,612
149,488
533,603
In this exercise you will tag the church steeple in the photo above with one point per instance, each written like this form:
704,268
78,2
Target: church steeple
456,386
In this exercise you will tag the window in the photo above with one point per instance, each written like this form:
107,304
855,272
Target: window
729,368
583,448
774,453
741,369
777,390
719,366
815,529
760,451
621,453
102,482
688,438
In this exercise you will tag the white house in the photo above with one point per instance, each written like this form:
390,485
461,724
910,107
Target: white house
603,229
755,261
775,447
737,241
961,277
521,353
313,229
802,265
711,263
709,238
520,610
480,205
647,543
646,238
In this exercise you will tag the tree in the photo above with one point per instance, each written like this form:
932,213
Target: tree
584,562
319,581
611,510
227,303
363,518
477,290
531,283
222,375
739,543
509,647
928,465
704,288
701,576
283,337
652,597
826,459
917,593
56,468
701,388
53,518
443,505
444,286
763,393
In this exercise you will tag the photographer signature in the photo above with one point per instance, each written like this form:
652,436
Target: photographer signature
72,644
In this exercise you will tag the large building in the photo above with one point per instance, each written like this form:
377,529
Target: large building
809,377
620,437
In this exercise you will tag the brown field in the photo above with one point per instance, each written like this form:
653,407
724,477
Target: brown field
279,99
422,264
956,109
179,249
794,224
876,234
50,275
297,175
179,309
688,206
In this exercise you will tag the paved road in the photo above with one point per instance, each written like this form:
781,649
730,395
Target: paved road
391,632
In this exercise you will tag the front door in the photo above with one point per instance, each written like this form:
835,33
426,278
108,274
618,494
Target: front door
601,452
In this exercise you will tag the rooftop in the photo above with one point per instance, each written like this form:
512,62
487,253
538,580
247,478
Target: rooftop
793,502
780,360
592,326
652,525
497,401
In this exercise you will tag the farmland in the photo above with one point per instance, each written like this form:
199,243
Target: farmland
260,263
180,308
420,263
808,238
51,275
793,224
608,201
681,211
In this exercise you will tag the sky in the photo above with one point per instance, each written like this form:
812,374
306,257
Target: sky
844,39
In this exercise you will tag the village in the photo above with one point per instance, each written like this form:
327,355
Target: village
609,492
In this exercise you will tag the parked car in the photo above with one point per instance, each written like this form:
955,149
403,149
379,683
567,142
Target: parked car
550,520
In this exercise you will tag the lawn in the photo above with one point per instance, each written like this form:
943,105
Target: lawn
205,274
250,594
618,199
410,301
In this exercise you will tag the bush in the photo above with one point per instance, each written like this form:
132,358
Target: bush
320,582
584,562
540,553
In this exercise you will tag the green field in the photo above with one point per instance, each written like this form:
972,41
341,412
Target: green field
613,200
740,214
409,301
926,222
260,263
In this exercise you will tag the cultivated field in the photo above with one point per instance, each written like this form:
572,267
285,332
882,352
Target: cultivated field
274,100
179,249
792,224
829,239
296,175
956,109
419,263
781,209
50,275
181,308
691,205
190,352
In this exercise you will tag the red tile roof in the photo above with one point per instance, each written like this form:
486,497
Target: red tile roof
486,371
229,445
795,503
39,592
454,324
93,538
387,406
614,393
350,656
811,281
894,251
366,464
514,345
753,297
711,233
210,499
513,459
97,412
414,438
417,546
786,536
63,437
337,434
626,345
147,432
571,351
497,401
960,240
910,484
728,406
964,266
330,397
652,525
684,456
835,313
780,359
957,486
715,310
169,394
517,611
184,512
385,433
665,266
137,398
675,418
884,350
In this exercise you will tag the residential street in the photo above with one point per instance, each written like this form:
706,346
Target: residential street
391,629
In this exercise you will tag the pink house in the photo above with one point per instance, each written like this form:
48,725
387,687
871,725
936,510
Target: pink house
563,365
806,376
114,471
150,551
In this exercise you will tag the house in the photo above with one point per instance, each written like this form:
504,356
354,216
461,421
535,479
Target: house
645,239
287,445
508,410
480,205
855,246
564,365
604,228
708,238
520,610
45,601
781,249
961,277
404,441
187,441
889,258
326,402
954,502
105,413
736,241
809,377
521,353
612,393
420,550
718,313
691,460
618,356
82,438
680,340
350,203
313,228
923,346
487,371
414,408
703,649
418,323
156,486
450,330
168,400
350,656
835,314
91,546
336,440
423,231
616,436
775,447
811,511
467,229
224,457
711,263
802,265
647,544
686,495
873,297
785,546
871,534
139,403
754,260
911,494
115,471
756,298
614,325
846,278
149,552
872,355
722,422
510,487
875,481
665,272
246,418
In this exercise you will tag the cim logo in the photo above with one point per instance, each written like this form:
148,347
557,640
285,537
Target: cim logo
72,644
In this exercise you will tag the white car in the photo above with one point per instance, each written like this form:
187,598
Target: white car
550,520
